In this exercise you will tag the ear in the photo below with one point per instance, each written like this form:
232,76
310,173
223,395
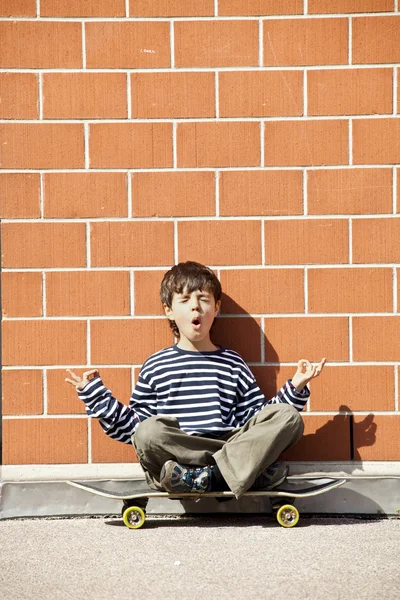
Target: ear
217,307
169,312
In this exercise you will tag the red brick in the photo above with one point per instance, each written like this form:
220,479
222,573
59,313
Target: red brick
376,338
130,145
216,43
132,244
263,291
306,241
376,437
22,294
348,388
222,242
324,439
22,392
80,293
291,338
172,95
39,342
41,45
80,195
37,146
349,6
128,341
226,144
84,95
312,42
350,92
385,235
308,143
376,141
231,8
18,8
173,194
20,195
172,8
350,290
107,450
39,441
349,191
262,93
127,45
62,398
147,292
376,39
18,96
260,193
240,334
82,8
30,245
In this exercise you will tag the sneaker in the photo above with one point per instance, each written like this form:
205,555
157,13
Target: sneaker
177,478
271,477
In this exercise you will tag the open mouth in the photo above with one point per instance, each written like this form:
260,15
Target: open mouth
196,323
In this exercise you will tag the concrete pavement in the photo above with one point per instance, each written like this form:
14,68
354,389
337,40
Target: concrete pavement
212,556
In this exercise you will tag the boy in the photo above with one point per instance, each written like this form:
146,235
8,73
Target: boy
197,418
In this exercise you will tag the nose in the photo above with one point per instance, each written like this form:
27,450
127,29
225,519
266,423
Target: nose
194,303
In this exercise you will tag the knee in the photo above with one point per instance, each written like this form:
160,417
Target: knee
150,431
293,419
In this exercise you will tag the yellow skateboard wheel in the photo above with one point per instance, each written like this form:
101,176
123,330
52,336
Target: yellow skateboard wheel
288,516
134,517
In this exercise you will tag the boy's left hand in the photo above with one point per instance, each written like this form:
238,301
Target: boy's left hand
305,372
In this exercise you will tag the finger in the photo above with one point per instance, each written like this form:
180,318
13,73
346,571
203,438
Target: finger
319,367
90,374
74,383
74,376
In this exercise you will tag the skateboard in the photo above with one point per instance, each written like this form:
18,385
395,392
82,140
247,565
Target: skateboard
282,498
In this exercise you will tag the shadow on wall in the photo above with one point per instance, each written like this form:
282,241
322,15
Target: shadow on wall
326,438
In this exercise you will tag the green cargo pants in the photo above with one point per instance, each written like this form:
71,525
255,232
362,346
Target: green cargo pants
241,455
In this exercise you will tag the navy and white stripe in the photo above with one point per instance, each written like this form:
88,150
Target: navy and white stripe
210,393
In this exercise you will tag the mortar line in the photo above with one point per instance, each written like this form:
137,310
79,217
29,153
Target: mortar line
174,145
262,338
127,8
350,141
215,8
305,11
88,346
41,196
37,8
395,190
260,43
396,387
305,192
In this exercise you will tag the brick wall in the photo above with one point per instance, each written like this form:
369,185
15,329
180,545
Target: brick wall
260,137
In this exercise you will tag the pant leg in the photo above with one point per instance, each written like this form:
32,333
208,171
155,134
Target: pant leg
258,444
159,438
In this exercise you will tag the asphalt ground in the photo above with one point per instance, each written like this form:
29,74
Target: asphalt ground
212,556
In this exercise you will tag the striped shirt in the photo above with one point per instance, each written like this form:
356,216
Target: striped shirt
210,393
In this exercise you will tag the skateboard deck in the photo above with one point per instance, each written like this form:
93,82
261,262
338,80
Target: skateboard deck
287,515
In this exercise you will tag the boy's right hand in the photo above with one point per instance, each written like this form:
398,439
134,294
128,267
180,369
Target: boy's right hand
81,382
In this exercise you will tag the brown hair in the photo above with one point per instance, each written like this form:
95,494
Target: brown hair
188,277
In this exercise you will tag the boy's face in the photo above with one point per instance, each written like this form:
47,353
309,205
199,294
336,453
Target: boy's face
193,313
